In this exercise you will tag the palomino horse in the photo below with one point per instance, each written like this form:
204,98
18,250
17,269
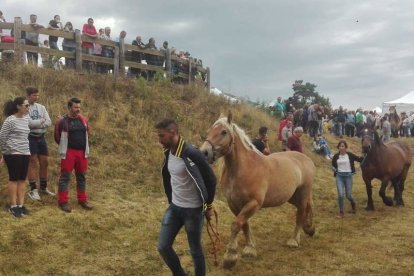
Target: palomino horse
386,162
251,181
395,121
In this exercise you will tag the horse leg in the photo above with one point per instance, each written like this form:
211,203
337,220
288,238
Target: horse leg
401,177
231,256
299,200
387,200
249,250
397,192
370,203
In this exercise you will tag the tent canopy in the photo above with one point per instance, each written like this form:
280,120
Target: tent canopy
403,104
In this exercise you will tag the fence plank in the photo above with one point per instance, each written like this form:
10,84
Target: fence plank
6,25
142,66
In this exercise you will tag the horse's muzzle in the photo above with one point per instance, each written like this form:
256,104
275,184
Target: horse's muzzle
207,150
366,149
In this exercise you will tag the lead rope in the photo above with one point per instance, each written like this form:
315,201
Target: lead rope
214,236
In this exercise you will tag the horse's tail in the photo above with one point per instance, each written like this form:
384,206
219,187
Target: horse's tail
308,226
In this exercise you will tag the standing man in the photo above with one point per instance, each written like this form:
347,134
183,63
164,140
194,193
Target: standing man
261,141
32,39
39,121
386,129
280,108
190,185
54,24
71,133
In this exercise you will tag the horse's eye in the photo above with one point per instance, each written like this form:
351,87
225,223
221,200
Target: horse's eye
223,133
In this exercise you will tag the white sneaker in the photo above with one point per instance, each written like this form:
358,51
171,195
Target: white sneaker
34,194
47,192
327,157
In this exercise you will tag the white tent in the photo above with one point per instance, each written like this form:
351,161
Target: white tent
377,109
403,104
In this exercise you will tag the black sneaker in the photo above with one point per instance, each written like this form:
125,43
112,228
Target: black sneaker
24,211
65,207
16,212
85,205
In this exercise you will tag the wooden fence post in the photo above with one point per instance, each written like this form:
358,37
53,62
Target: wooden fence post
17,39
208,78
116,62
168,62
121,56
78,53
190,73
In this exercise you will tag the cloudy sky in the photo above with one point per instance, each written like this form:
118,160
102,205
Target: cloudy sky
358,53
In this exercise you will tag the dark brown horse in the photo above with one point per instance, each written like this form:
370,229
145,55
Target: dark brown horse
386,162
251,181
395,121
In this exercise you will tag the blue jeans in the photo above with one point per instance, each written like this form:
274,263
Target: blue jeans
344,180
192,219
325,150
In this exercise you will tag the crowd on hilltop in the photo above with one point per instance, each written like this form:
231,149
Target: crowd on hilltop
89,29
316,119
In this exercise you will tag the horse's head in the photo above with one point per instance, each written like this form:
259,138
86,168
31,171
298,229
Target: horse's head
220,139
369,139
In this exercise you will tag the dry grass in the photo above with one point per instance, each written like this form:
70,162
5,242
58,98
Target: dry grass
119,237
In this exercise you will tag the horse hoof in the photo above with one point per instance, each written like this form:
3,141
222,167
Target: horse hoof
249,252
229,260
388,201
292,243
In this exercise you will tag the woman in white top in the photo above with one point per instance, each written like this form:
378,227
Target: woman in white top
344,167
14,144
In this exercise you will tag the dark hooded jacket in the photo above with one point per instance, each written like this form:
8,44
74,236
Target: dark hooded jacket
197,167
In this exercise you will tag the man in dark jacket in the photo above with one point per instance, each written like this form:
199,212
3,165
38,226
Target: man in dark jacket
190,185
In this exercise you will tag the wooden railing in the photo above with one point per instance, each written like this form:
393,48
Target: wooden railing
123,54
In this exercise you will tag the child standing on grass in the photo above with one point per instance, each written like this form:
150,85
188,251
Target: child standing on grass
343,167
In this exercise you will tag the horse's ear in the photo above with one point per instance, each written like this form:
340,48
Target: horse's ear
376,137
229,117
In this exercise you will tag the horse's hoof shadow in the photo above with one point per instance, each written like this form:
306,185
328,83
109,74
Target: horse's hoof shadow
369,209
230,258
292,243
249,252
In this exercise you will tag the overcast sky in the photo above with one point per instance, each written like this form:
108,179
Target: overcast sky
358,53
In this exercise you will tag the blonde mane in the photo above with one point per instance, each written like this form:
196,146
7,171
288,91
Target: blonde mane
236,130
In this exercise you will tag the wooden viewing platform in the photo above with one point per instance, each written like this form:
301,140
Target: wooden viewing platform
123,54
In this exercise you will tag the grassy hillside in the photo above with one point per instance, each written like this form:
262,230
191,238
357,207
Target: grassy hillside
119,236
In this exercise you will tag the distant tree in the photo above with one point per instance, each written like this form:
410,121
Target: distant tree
306,94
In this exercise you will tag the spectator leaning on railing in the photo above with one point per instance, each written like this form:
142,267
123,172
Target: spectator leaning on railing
54,24
32,39
69,45
88,29
2,19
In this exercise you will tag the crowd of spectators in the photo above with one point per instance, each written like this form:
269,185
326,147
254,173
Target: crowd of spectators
317,120
89,30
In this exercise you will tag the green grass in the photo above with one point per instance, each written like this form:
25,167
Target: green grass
119,236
